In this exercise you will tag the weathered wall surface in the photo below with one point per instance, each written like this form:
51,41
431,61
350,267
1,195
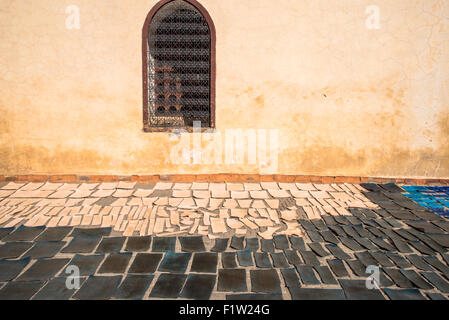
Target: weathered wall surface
346,100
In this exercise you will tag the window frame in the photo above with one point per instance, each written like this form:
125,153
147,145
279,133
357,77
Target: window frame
145,75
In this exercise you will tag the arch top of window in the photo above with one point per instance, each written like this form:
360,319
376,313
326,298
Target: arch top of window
150,56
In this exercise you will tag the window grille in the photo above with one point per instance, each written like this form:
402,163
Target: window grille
178,67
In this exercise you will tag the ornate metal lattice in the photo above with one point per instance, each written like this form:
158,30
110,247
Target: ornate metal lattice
179,67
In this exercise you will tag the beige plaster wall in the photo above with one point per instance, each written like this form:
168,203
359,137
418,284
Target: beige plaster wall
346,100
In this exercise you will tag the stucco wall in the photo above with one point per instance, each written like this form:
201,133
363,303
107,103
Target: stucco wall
346,100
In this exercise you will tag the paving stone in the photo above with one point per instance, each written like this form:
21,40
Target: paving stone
357,267
43,269
382,244
98,288
421,247
9,269
279,260
115,263
399,260
371,186
405,235
237,243
436,296
383,279
338,267
318,249
44,250
307,225
391,187
390,233
441,284
145,263
433,244
365,221
351,244
82,244
20,290
198,287
367,244
355,220
291,278
422,226
267,245
364,233
329,237
204,262
401,245
325,275
220,245
232,280
297,243
133,287
382,259
315,236
416,279
338,230
281,242
384,214
443,224
292,257
330,221
12,250
262,260
109,245
138,244
252,244
192,244
91,232
400,214
382,223
393,222
350,231
265,281
316,294
319,224
357,290
309,258
54,234
245,258
437,264
337,252
398,278
56,289
307,275
5,231
23,233
341,220
377,232
418,262
404,294
162,244
175,262
446,258
254,296
228,260
87,264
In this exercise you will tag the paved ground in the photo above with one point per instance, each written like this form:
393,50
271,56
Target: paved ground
222,241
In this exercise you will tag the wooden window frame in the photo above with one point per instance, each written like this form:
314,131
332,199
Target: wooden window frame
145,52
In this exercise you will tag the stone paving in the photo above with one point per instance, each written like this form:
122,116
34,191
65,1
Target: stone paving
219,241
433,198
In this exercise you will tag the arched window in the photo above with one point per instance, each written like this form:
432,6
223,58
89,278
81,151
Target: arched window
178,66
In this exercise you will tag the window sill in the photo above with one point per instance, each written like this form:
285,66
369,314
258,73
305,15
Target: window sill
175,129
